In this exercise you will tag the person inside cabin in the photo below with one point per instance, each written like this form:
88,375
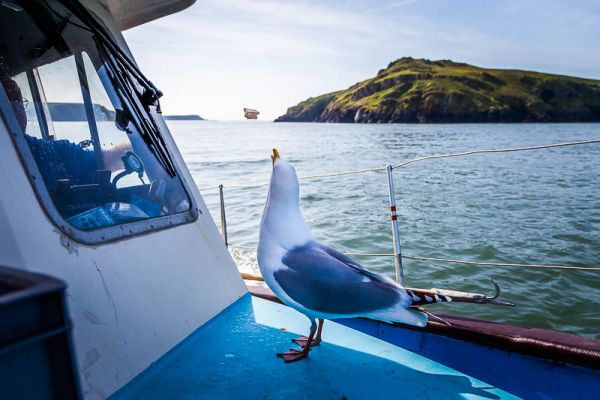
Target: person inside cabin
59,159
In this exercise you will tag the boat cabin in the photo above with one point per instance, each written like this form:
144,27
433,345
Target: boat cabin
96,193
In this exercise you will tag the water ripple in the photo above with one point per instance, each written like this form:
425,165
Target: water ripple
534,207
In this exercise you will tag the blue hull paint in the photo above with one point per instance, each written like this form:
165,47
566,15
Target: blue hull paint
233,356
525,376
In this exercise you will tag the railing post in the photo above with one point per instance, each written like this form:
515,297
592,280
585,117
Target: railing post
395,233
223,219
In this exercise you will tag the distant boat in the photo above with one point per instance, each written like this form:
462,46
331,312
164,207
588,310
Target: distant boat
250,113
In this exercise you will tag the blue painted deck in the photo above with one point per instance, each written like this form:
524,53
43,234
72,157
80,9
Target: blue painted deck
233,357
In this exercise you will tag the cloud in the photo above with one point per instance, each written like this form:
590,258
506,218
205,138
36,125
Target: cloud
300,15
241,37
220,55
395,4
265,27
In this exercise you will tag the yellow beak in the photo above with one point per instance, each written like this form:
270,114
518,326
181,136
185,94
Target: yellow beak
275,155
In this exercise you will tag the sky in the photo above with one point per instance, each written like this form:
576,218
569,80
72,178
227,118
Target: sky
219,56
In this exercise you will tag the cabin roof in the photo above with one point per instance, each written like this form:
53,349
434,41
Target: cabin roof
233,356
131,13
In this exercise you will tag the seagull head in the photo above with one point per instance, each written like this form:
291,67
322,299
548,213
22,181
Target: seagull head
275,156
284,182
282,217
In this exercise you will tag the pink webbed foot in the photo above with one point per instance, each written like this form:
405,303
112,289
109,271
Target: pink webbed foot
293,355
303,340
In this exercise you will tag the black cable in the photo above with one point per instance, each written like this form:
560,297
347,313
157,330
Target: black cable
65,19
149,131
86,16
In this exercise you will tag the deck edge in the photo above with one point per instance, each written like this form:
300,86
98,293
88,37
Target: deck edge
540,343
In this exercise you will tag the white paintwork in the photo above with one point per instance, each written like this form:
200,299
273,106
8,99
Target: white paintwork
130,301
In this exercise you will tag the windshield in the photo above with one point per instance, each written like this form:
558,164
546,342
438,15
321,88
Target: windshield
86,118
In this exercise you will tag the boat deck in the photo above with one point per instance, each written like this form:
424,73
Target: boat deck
233,356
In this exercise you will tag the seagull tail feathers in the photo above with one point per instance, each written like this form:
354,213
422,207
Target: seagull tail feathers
402,315
421,297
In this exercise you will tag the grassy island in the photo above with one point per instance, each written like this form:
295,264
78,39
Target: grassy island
444,91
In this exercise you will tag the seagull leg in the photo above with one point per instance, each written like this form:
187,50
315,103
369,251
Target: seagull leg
302,340
294,354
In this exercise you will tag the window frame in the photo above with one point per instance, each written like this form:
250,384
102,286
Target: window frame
100,235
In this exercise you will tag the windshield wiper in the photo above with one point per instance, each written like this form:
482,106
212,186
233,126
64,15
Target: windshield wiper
128,76
132,99
86,16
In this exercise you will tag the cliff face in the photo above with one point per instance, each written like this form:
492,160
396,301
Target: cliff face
418,90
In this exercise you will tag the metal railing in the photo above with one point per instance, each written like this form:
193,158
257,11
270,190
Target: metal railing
397,254
395,233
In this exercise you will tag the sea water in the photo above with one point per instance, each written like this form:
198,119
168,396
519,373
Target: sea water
539,207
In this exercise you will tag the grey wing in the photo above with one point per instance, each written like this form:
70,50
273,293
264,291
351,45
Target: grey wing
352,263
323,283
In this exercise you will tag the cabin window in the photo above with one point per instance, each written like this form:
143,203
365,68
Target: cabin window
82,122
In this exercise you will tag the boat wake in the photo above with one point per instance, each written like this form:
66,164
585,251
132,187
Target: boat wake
245,260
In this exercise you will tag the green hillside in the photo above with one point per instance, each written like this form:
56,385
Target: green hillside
419,90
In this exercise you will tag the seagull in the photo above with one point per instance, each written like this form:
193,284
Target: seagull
323,283
317,280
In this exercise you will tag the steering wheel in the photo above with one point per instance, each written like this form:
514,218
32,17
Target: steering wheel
132,163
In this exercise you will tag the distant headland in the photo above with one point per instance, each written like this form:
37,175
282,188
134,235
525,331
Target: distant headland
69,112
190,117
444,91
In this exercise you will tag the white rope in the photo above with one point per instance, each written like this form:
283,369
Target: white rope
492,151
242,247
449,260
358,171
466,153
257,185
253,186
405,163
500,264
